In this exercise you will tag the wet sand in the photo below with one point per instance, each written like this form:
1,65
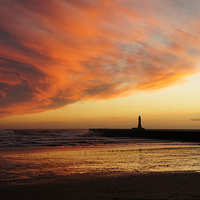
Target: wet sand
167,186
60,174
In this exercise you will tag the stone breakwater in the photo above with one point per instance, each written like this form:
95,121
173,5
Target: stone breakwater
166,134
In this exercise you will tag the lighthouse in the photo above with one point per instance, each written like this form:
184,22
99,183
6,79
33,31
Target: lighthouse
139,127
139,123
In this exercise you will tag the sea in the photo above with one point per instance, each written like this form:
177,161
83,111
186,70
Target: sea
29,156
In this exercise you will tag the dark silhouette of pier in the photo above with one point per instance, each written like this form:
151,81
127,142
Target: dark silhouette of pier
190,135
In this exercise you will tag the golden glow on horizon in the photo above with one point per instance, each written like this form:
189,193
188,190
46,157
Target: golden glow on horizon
166,108
82,64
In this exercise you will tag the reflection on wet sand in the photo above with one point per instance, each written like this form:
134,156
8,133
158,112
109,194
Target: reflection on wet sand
43,165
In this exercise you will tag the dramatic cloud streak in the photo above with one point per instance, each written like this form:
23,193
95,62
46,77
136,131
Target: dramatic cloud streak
55,53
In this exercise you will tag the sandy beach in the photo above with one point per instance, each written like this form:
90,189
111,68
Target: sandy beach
139,186
141,169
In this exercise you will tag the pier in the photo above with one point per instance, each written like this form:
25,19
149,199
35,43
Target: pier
190,135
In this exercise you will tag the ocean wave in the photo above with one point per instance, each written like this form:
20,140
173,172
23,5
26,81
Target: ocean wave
61,137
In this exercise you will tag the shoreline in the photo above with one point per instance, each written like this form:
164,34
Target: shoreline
101,173
133,186
149,143
48,164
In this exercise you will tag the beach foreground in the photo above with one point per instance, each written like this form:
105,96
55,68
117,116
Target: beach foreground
87,166
136,186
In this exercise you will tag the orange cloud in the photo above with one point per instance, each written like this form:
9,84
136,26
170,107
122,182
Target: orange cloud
56,53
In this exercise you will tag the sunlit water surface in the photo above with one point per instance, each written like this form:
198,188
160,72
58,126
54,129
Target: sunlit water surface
55,163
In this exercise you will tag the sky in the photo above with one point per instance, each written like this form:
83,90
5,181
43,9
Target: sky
99,63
